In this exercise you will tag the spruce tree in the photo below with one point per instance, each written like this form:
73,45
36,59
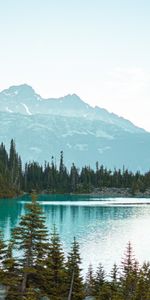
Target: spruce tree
129,273
55,274
74,177
12,274
115,283
143,283
90,282
75,287
30,238
99,279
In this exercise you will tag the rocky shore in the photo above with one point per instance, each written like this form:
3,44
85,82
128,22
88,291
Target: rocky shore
102,192
120,192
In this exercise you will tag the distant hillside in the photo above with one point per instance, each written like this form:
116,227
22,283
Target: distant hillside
44,127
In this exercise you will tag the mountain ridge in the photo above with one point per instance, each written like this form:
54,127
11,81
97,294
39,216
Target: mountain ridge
42,128
32,103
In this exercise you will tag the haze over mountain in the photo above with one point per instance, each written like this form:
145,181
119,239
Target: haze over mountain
44,127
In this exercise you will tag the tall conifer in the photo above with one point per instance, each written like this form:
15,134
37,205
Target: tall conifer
74,278
30,238
55,274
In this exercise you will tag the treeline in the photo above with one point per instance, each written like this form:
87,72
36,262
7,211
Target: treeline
58,179
33,266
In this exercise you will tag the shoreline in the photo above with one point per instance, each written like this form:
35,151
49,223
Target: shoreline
103,192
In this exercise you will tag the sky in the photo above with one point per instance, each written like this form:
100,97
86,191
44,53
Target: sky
98,49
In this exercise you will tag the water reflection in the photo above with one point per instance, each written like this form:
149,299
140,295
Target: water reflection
102,230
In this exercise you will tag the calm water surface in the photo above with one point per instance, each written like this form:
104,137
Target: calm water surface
102,226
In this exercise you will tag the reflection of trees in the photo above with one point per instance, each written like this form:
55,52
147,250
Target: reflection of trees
71,220
10,211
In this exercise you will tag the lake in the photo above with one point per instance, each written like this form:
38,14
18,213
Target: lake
103,226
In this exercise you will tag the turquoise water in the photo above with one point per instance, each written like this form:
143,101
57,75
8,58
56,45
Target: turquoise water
103,226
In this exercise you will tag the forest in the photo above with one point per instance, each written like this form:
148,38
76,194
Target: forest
15,178
33,266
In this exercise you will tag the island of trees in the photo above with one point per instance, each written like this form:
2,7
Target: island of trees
33,266
50,178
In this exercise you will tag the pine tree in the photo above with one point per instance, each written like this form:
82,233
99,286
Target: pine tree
129,273
55,273
90,282
99,279
115,283
75,287
143,283
15,167
12,274
63,175
30,237
74,177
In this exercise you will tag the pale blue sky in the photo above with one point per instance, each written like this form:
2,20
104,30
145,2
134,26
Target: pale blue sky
97,49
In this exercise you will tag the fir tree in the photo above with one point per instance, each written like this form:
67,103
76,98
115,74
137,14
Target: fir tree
99,279
55,274
75,287
74,178
115,283
90,282
14,164
143,283
12,274
129,273
30,237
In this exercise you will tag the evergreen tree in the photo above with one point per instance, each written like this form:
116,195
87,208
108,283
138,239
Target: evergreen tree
55,274
12,274
75,287
129,273
30,237
74,178
116,292
90,282
143,283
99,279
63,176
13,164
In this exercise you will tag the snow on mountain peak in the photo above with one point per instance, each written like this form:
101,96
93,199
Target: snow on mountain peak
24,100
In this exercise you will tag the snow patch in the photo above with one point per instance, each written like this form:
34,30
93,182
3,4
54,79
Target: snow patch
69,145
36,149
102,150
103,134
9,110
38,98
71,133
27,109
6,94
81,147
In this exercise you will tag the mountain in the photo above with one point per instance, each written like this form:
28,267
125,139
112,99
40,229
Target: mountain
44,127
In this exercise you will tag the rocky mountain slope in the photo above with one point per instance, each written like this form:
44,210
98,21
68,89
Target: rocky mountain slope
44,127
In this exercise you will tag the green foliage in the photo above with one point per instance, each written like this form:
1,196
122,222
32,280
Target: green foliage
40,271
75,286
99,280
54,271
11,271
52,179
90,282
31,238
